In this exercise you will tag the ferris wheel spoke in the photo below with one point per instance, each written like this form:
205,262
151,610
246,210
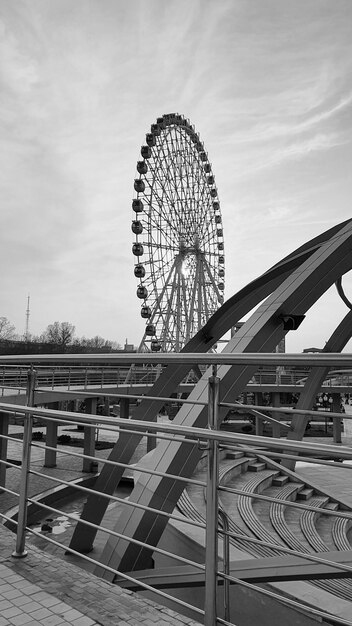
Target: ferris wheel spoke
194,291
163,198
164,171
187,332
174,309
171,174
212,280
204,295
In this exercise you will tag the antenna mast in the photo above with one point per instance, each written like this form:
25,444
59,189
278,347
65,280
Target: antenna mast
26,333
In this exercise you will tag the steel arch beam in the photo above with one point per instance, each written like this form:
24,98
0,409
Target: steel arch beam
261,333
230,313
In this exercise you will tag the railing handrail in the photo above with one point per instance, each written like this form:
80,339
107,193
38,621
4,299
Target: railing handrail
194,432
332,359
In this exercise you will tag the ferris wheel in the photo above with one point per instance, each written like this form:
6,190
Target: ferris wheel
178,247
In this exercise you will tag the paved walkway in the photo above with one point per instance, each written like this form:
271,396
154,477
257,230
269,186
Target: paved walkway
43,589
40,590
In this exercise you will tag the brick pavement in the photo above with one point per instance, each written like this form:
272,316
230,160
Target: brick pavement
42,589
39,590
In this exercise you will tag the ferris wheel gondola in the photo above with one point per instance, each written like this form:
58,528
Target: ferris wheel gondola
178,246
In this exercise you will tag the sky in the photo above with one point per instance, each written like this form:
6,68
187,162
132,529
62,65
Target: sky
266,83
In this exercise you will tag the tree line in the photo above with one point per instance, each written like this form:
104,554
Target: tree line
62,335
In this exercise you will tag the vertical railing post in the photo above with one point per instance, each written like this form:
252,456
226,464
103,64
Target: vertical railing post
226,568
20,550
211,533
4,430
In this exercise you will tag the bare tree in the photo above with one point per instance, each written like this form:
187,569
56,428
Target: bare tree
7,330
61,333
98,343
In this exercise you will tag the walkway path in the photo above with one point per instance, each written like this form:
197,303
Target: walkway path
42,589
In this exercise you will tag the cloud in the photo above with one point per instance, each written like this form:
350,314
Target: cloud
289,126
18,70
264,83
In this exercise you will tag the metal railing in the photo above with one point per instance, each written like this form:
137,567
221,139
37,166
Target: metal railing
74,376
216,574
77,376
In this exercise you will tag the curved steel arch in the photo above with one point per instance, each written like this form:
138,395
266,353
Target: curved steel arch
295,284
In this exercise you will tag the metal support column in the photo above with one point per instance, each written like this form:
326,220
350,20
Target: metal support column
336,423
276,427
89,438
4,430
51,439
211,534
20,550
124,408
259,424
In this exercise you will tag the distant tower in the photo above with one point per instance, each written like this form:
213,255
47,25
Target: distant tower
26,332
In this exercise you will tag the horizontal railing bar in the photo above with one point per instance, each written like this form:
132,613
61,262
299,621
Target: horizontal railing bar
284,409
124,429
221,620
309,556
335,360
13,493
305,507
293,457
137,505
285,600
22,409
14,439
127,396
193,432
118,535
9,519
268,418
230,405
117,573
95,422
133,468
9,464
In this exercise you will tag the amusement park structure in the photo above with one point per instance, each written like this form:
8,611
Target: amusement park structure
148,540
179,246
286,292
